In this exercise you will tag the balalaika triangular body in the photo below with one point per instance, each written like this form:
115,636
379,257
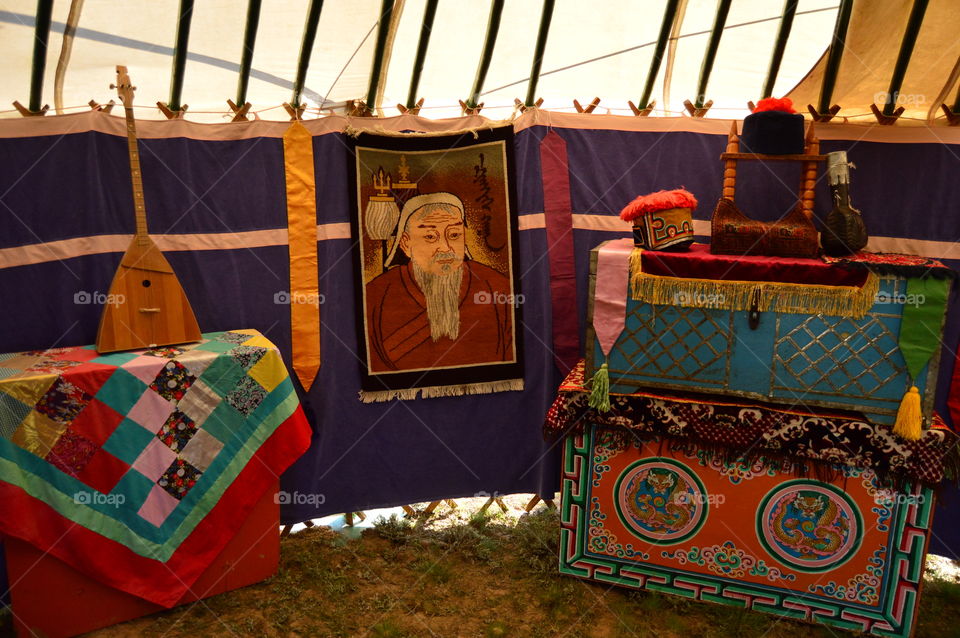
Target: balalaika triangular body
146,305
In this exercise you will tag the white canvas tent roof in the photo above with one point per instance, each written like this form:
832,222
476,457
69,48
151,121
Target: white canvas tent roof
593,50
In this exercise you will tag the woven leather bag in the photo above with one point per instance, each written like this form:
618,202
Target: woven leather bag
733,233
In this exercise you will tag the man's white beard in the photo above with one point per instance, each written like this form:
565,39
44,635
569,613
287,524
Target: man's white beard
442,293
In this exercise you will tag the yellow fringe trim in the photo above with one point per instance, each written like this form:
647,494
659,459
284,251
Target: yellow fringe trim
845,301
429,392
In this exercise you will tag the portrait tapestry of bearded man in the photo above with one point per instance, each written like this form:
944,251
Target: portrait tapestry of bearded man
440,304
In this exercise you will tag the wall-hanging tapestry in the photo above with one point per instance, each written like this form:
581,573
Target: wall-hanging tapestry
438,294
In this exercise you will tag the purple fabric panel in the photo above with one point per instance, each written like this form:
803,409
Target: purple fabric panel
79,184
559,223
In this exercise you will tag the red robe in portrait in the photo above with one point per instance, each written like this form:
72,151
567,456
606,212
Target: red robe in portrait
398,331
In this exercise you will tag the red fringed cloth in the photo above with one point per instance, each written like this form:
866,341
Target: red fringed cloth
755,432
700,263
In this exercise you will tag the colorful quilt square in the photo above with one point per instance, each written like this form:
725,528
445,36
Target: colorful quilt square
179,478
216,346
135,488
145,368
232,337
166,352
122,390
51,366
196,361
116,359
89,376
173,381
246,396
97,421
38,433
63,401
223,375
12,413
199,402
269,371
177,431
154,460
103,471
151,410
247,356
222,422
201,450
71,453
28,390
128,441
158,506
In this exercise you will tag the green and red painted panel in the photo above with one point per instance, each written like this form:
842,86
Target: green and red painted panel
847,554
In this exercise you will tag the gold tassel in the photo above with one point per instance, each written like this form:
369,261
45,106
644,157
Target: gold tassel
909,418
600,390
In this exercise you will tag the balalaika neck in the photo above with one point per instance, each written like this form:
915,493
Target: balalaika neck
140,210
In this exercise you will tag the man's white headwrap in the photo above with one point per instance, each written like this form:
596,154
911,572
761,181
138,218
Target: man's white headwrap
413,205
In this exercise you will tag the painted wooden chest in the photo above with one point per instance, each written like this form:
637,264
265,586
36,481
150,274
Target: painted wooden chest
845,553
804,359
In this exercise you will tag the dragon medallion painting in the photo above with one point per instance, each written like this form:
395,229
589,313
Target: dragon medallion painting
846,553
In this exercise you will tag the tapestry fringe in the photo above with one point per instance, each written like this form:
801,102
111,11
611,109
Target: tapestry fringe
352,131
844,301
430,392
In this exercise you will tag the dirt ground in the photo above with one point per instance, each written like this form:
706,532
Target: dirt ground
457,574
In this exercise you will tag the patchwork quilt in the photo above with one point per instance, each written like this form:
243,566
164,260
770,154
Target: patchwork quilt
136,468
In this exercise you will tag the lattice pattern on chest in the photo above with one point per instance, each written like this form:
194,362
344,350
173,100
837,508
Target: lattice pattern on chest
676,343
838,356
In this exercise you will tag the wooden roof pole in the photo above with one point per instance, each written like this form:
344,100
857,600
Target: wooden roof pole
701,105
471,107
241,106
824,111
294,107
890,111
383,28
783,34
546,16
426,27
669,17
173,109
41,37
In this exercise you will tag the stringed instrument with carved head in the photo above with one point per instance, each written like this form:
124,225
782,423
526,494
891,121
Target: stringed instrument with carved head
148,305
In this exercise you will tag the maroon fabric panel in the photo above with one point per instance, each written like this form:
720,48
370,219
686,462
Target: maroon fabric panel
559,222
700,263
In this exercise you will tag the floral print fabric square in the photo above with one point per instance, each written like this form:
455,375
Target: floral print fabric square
177,431
179,478
173,381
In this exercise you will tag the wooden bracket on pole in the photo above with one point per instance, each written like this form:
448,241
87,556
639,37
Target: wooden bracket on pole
644,112
295,113
697,111
413,110
359,108
470,110
523,107
25,112
239,112
823,117
172,115
589,108
886,120
953,119
106,108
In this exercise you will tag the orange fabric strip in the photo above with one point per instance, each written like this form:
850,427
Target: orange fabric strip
302,239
